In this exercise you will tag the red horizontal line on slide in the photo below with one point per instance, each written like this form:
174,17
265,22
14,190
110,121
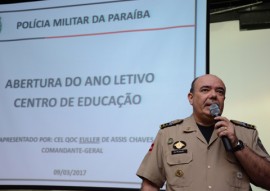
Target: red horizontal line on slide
122,31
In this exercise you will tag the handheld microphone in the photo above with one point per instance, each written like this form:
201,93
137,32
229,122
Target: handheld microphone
215,111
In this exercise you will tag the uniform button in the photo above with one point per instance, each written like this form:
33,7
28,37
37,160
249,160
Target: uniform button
208,166
210,187
179,173
239,175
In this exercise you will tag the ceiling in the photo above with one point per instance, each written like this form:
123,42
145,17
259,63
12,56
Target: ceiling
252,14
217,4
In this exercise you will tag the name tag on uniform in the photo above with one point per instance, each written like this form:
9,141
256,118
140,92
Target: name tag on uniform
179,151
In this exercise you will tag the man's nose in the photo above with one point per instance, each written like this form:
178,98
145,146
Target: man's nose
213,94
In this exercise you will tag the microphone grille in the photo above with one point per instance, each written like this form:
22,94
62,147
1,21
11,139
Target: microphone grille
214,109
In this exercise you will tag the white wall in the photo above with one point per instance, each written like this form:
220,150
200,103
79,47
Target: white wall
242,60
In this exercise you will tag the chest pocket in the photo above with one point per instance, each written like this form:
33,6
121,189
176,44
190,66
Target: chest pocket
237,179
178,169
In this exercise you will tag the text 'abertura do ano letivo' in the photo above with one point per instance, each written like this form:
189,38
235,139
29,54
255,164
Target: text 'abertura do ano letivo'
106,80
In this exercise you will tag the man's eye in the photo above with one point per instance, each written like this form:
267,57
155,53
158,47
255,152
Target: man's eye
221,92
204,90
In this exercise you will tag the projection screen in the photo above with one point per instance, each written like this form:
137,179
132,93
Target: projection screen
86,84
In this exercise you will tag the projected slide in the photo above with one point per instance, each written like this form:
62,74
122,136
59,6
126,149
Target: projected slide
84,86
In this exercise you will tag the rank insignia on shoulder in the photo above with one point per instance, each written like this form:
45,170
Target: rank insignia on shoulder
172,123
243,124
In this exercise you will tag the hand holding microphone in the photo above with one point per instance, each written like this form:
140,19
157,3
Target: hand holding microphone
215,111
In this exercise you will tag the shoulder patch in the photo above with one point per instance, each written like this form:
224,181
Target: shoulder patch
243,124
172,123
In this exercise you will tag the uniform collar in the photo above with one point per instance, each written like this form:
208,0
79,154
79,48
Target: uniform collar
191,126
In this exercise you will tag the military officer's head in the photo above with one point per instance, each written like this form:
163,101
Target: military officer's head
204,91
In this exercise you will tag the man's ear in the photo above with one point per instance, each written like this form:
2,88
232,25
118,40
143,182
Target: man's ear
190,98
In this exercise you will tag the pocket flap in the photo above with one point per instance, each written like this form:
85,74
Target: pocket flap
183,158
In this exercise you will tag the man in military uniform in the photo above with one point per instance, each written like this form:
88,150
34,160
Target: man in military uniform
188,154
